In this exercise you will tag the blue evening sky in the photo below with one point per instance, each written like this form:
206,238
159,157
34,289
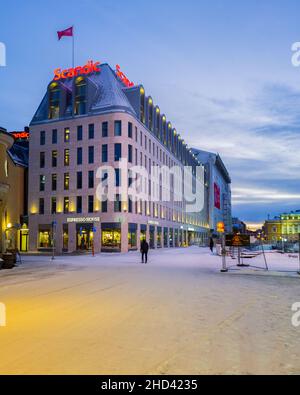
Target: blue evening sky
219,69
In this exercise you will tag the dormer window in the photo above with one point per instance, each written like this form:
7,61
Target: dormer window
80,96
150,113
54,99
142,105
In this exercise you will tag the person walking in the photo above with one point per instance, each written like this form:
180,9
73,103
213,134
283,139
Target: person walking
211,245
144,250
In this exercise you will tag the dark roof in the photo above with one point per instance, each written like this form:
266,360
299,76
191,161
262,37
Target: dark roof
19,154
106,93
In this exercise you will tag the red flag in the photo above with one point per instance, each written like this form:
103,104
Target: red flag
65,33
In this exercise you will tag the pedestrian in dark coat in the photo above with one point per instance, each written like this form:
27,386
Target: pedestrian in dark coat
144,250
211,244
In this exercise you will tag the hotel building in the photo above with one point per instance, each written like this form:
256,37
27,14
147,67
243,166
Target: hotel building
90,118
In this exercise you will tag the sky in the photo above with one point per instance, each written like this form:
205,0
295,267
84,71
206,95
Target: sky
220,70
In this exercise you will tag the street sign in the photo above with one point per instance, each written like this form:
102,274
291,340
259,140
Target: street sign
237,240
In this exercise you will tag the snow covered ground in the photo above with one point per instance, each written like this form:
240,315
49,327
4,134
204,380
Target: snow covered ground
112,315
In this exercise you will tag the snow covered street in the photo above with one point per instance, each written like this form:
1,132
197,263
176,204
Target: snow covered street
178,314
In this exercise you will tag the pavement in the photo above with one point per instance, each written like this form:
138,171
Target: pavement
177,315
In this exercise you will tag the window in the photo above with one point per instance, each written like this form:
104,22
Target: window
79,133
66,205
79,180
118,152
130,130
141,139
42,183
67,157
117,204
54,182
104,206
53,205
145,142
118,128
42,137
67,135
91,179
136,134
42,160
79,156
54,158
91,131
136,157
130,153
66,181
91,204
80,96
79,204
129,205
91,154
104,153
54,99
117,177
54,136
104,129
41,206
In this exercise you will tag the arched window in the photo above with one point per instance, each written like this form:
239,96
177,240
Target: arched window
54,99
80,96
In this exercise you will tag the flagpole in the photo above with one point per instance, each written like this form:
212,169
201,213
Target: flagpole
73,49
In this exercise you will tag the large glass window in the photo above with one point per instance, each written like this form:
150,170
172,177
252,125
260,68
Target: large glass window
118,128
132,236
85,236
44,237
42,183
104,153
118,152
111,237
79,180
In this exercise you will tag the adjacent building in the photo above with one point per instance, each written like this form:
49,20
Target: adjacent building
285,227
92,117
13,193
239,226
219,190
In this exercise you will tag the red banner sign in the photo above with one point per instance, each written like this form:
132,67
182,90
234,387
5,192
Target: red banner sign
89,68
123,77
217,194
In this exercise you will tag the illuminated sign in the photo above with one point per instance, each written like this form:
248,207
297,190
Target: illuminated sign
83,220
21,135
123,77
237,240
89,68
221,227
217,195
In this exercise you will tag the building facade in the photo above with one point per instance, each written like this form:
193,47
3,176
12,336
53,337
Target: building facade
13,194
284,228
219,190
90,120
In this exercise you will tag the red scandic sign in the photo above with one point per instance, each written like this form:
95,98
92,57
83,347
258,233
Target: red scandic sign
20,135
123,77
217,194
89,68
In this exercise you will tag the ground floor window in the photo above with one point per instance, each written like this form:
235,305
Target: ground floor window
84,237
152,237
45,236
176,238
65,237
111,237
158,237
143,233
24,233
166,237
171,241
132,236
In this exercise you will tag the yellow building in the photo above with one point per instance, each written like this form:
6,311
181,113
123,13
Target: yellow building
13,193
286,227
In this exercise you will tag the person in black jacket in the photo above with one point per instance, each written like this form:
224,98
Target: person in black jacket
211,244
144,250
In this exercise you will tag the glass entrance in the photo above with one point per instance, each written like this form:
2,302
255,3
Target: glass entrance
84,237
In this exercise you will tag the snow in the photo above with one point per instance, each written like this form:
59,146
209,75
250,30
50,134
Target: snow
177,315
